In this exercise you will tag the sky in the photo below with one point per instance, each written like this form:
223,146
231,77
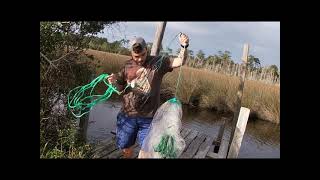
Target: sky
210,37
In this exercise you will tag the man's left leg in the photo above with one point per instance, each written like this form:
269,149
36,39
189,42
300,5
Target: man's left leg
126,134
144,126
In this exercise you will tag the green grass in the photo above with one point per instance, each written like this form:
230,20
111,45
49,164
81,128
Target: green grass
66,146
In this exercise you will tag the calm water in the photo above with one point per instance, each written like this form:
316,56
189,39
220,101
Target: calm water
261,138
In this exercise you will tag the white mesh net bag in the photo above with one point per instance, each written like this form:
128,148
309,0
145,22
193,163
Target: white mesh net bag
164,139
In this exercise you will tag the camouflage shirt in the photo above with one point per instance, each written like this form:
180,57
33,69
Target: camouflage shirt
142,97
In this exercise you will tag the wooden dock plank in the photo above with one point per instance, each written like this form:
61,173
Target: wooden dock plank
115,154
190,137
211,149
108,148
223,149
185,132
221,130
194,146
212,155
105,147
204,148
102,145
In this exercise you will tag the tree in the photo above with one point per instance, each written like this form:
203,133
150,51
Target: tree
224,58
125,42
149,45
178,51
210,60
55,36
253,62
168,51
274,70
99,43
103,47
115,46
217,59
61,44
200,55
190,54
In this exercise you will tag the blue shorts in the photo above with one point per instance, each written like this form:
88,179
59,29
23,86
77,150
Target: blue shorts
131,128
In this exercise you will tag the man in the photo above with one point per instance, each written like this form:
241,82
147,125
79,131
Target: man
140,80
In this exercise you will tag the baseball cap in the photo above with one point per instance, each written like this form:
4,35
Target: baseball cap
138,41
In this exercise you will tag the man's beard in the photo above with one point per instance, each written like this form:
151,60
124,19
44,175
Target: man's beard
139,62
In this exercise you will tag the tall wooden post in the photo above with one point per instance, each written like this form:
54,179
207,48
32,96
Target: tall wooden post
237,70
243,68
158,39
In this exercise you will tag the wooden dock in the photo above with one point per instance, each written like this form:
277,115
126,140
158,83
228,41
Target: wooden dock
198,145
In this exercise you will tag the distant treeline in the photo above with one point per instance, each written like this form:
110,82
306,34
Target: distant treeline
220,62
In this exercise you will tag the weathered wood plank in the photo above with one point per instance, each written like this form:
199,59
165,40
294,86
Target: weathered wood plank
223,149
239,132
182,131
221,130
185,132
102,148
212,155
107,140
204,148
193,134
107,150
114,155
211,149
194,146
102,145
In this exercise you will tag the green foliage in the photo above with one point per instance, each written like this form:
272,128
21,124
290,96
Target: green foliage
62,67
190,54
51,38
200,54
102,44
274,70
66,146
253,62
55,36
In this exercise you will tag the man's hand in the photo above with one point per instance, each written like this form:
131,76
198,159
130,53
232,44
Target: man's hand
111,79
182,57
184,39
